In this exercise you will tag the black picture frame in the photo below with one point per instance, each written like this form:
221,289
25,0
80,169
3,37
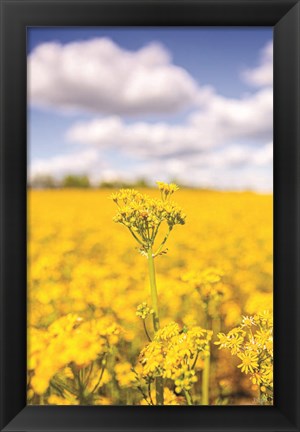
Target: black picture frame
284,17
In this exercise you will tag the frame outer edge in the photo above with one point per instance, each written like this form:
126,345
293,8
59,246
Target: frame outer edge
287,209
4,221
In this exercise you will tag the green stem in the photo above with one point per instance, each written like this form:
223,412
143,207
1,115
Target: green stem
89,374
136,237
60,383
155,231
188,397
216,326
146,331
99,379
153,290
205,381
104,364
60,391
149,393
144,395
159,384
195,361
259,395
81,394
159,390
163,242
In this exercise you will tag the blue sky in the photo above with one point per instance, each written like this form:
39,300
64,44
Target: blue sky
193,104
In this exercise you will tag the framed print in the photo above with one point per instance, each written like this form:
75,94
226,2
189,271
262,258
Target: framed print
149,220
152,318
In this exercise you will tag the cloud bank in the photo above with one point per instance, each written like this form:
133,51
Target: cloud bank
99,76
219,122
222,142
262,75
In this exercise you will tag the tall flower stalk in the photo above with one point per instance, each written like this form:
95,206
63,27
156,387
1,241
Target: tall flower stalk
145,217
153,288
159,384
205,379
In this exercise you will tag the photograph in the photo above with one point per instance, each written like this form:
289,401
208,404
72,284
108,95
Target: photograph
150,216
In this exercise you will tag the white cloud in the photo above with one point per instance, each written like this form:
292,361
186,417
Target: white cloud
76,163
227,143
249,117
223,143
263,156
262,75
234,167
99,76
219,122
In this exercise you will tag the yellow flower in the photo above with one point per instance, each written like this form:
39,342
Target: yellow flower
256,378
262,337
167,189
167,332
184,378
249,362
235,342
143,310
223,340
248,321
143,216
173,354
124,374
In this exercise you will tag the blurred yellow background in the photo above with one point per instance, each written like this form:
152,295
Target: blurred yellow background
84,271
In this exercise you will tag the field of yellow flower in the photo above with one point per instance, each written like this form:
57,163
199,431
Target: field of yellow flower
90,339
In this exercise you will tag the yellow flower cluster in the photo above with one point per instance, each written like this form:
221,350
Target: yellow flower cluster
252,343
166,189
210,286
62,400
173,354
143,215
124,374
170,398
81,264
68,341
143,310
